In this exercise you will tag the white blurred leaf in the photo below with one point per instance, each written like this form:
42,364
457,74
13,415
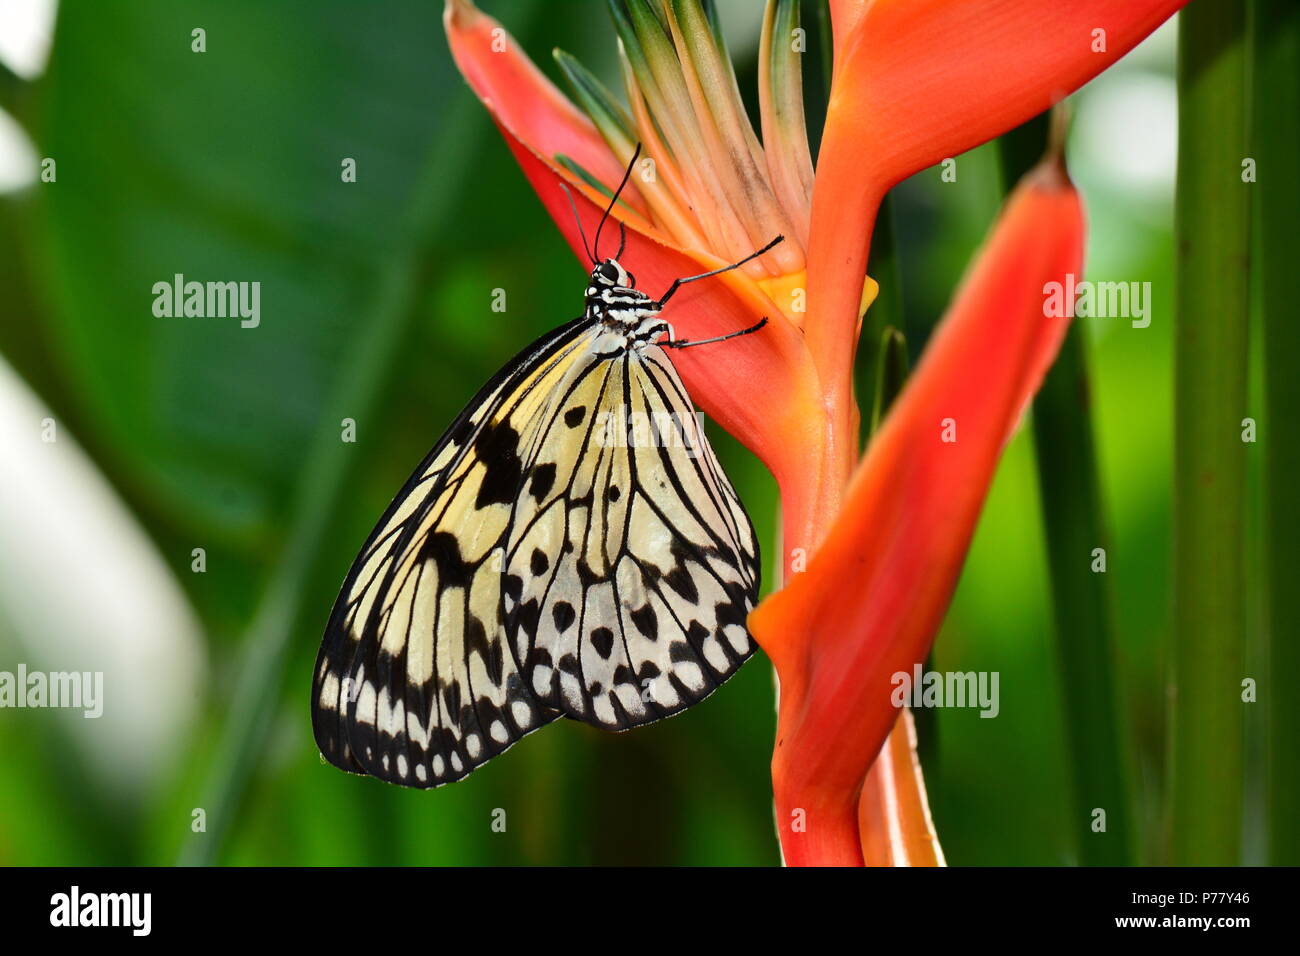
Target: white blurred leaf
82,588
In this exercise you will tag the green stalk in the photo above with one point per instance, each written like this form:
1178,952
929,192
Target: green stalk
15,95
1211,227
886,312
818,61
1275,88
891,374
1074,524
825,44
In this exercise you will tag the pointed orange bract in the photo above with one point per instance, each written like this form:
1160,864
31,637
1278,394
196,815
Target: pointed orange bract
876,591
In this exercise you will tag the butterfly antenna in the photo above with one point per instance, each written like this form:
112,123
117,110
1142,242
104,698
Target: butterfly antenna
578,219
622,239
686,344
614,199
678,283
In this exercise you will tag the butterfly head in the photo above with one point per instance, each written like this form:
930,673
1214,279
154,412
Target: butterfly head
610,274
612,297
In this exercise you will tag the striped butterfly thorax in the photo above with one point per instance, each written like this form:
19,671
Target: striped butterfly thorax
570,547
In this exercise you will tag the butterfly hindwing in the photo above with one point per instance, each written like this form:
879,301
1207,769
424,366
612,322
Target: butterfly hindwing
629,581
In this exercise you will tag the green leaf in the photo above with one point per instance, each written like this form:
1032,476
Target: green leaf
226,165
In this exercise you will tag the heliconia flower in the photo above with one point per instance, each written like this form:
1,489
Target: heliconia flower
914,81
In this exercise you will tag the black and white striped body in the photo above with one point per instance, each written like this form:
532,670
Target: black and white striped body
613,301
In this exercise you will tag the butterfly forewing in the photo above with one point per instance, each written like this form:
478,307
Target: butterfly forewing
412,683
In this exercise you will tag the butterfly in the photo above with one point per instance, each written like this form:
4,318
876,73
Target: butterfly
570,547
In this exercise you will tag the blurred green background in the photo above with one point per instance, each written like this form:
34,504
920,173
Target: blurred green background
376,306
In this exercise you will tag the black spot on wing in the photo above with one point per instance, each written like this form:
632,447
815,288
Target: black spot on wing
443,550
451,696
696,635
563,615
462,432
602,639
492,652
574,416
646,622
527,616
543,481
497,446
679,578
737,610
680,653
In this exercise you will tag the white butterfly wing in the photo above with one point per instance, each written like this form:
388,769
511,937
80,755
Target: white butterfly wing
532,568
